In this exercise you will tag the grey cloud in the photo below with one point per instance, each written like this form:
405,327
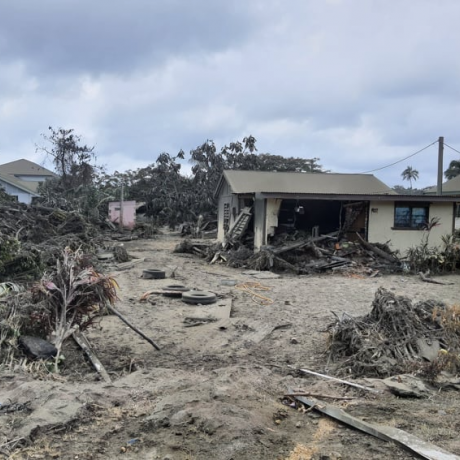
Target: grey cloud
55,36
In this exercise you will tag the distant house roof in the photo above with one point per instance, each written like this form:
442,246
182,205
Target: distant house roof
25,168
29,187
246,182
451,187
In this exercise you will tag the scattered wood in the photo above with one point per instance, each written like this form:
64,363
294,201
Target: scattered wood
406,440
425,277
315,395
302,243
84,344
191,321
376,250
335,379
135,329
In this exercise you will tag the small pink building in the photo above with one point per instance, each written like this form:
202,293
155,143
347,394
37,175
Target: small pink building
127,214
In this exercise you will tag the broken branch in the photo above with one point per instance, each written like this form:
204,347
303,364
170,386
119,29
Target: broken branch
135,329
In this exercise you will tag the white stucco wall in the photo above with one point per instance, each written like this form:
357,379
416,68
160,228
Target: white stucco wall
381,226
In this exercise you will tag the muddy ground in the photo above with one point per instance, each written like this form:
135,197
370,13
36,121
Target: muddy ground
215,391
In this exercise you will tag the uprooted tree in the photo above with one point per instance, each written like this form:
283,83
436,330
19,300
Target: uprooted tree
72,296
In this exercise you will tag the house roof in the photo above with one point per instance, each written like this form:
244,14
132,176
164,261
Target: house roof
242,182
25,168
452,186
29,187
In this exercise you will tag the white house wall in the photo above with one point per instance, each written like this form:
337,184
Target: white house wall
226,196
381,222
23,197
32,178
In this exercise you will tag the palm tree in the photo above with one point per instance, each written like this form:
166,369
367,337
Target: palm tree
453,170
410,174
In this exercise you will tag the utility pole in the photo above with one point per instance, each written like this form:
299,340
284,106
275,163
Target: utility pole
440,165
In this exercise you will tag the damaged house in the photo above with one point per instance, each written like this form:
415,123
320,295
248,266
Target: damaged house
270,203
21,179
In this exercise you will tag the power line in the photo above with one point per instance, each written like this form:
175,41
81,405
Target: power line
455,150
403,159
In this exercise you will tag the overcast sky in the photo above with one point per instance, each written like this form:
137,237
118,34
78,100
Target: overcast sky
359,84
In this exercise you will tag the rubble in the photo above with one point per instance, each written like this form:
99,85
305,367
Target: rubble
304,256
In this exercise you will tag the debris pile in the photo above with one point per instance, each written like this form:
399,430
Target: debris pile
32,238
303,256
395,337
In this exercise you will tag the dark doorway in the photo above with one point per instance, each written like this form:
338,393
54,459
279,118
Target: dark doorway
305,215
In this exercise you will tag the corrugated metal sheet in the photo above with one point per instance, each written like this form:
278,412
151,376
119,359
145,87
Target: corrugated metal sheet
312,183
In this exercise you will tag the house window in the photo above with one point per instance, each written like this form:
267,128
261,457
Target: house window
410,216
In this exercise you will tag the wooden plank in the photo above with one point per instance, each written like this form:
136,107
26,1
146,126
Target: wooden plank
406,440
335,379
84,344
376,250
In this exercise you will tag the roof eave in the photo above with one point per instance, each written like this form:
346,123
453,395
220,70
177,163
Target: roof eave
19,186
362,196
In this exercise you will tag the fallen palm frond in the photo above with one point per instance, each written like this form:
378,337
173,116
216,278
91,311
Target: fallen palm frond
74,296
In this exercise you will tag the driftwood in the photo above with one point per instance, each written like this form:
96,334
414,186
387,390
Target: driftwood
135,329
82,341
424,277
314,395
406,440
302,243
376,250
328,377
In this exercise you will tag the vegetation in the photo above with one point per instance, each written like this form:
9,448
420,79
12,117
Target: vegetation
400,190
410,175
4,197
453,170
76,186
72,297
174,198
423,258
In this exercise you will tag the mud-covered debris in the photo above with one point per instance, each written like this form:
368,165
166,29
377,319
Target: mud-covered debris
37,348
392,337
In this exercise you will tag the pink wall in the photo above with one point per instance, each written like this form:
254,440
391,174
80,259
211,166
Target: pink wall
129,213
